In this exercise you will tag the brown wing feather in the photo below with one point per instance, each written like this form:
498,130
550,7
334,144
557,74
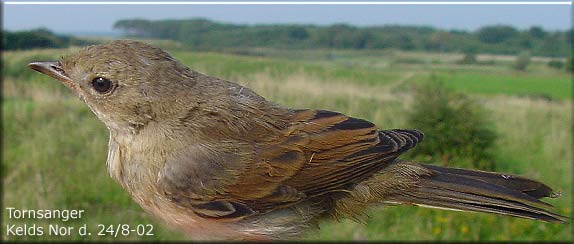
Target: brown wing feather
321,152
347,152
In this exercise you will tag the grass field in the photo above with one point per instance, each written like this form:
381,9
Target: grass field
54,148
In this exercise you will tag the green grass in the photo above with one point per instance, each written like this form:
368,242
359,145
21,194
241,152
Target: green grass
54,149
234,67
553,86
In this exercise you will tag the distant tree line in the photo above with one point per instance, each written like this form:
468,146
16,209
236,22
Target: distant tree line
497,39
37,38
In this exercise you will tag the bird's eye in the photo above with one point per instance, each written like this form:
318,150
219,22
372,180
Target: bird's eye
102,85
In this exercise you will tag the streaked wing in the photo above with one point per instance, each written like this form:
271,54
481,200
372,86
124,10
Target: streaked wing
319,153
322,152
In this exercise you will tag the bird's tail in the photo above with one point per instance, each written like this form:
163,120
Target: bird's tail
480,191
459,189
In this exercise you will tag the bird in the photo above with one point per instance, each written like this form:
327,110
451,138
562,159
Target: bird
217,161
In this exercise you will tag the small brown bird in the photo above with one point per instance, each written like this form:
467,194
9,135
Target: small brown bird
215,159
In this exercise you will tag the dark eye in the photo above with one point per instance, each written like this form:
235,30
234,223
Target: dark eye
102,85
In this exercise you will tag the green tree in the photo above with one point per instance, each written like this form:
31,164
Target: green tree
496,34
440,39
537,32
209,35
37,38
551,45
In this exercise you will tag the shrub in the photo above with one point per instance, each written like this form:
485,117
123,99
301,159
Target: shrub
409,60
469,58
557,64
522,61
456,128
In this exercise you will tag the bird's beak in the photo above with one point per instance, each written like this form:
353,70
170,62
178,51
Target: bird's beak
54,70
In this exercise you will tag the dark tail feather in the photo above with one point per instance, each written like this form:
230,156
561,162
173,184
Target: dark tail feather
471,190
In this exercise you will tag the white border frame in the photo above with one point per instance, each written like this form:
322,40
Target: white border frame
284,3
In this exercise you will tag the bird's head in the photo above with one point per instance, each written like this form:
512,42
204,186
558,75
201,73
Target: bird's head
125,83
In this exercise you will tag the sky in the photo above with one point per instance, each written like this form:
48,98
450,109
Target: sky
86,19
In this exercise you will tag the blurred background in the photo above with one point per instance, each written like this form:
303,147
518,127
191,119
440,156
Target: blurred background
490,85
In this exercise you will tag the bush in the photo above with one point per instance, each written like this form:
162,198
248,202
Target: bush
557,64
409,60
522,61
456,128
469,58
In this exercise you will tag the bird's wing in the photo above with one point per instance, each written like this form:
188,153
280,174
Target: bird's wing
321,152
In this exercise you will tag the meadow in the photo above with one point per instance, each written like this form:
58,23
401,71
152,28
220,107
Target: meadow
54,148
